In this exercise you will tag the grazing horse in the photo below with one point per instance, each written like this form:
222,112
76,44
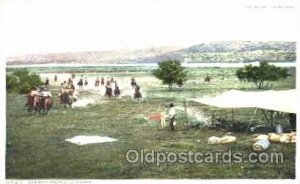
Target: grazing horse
137,94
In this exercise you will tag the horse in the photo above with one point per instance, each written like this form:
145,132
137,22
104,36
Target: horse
97,82
45,104
137,94
117,92
70,81
32,100
86,82
33,103
55,78
47,83
37,102
67,97
102,81
108,91
80,83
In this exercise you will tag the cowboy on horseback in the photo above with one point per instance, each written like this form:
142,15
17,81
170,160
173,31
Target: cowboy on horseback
45,102
80,83
102,81
55,78
117,91
31,99
47,82
70,81
86,82
97,82
137,94
67,95
39,99
133,82
108,91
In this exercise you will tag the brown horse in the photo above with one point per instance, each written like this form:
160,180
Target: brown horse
29,103
108,91
117,91
66,97
137,94
32,100
45,104
38,103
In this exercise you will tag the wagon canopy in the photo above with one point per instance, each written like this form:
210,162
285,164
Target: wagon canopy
283,101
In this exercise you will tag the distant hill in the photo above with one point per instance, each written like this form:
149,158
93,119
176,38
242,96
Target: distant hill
223,52
233,52
241,46
91,57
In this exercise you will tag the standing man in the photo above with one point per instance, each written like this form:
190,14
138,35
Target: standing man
172,116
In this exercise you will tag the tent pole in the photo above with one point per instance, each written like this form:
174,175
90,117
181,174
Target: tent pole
232,115
185,112
213,119
271,121
249,124
266,116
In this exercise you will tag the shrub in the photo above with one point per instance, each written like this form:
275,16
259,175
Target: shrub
22,81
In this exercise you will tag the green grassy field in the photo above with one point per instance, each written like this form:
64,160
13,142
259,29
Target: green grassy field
36,146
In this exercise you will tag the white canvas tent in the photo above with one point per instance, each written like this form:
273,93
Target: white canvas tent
283,101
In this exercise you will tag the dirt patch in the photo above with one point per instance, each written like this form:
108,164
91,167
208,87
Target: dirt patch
83,102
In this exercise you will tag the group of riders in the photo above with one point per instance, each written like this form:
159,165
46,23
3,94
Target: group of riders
39,98
109,92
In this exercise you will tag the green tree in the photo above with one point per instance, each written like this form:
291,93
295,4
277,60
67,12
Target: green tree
22,81
11,83
171,72
262,74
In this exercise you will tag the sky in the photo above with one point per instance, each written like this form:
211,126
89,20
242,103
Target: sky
48,26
